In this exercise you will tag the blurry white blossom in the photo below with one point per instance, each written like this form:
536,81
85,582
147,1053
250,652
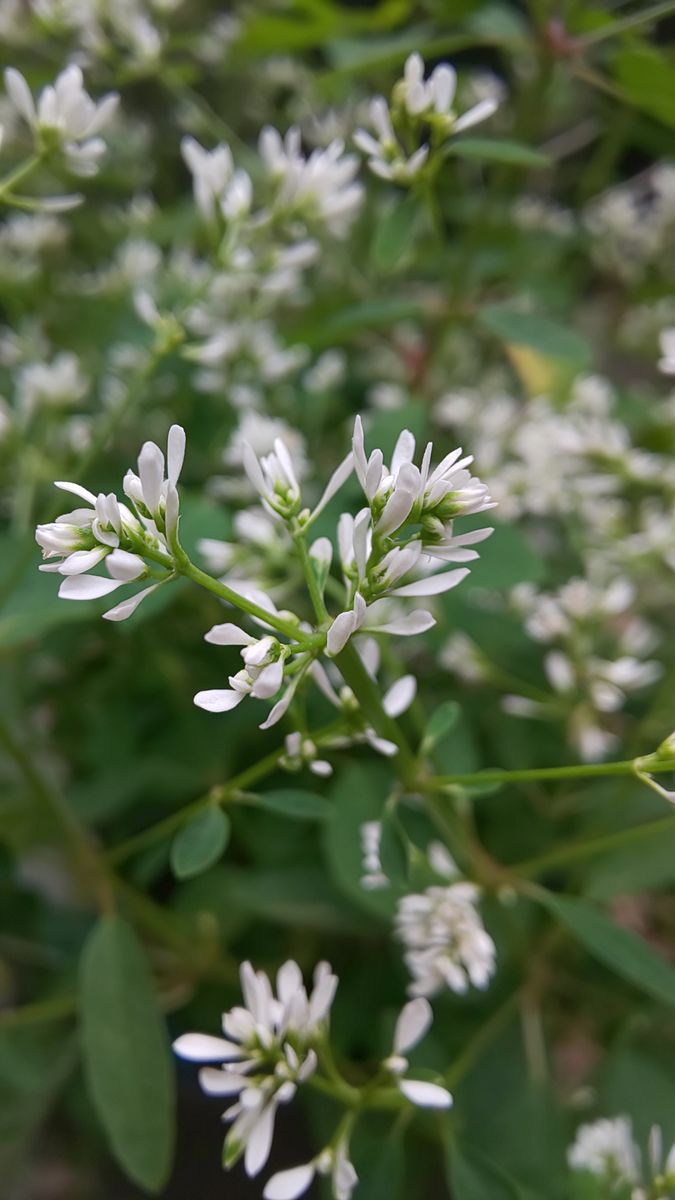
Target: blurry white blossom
446,943
65,117
426,105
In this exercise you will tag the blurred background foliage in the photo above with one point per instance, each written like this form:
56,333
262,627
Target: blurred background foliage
100,740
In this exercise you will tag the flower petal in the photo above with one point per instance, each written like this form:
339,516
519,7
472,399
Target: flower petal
127,607
229,635
202,1047
87,587
434,585
286,1185
413,1022
260,1141
425,1095
218,700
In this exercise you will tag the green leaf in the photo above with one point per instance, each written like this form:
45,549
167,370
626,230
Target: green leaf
473,1177
301,896
394,233
441,722
200,843
619,949
647,78
542,334
127,1060
498,150
294,803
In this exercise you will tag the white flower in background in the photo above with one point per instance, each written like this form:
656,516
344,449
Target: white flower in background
413,1023
320,188
373,878
435,96
386,156
268,1049
60,383
301,751
217,185
326,373
427,105
446,944
65,117
606,1148
116,535
667,344
584,617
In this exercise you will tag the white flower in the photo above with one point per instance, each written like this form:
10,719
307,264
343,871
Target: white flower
266,1052
413,1023
65,116
320,188
667,344
387,157
153,490
109,532
216,183
373,878
275,479
333,1161
424,103
262,675
60,383
446,942
301,751
606,1148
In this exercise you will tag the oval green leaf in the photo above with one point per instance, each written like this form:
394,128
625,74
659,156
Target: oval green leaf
617,948
127,1061
200,843
498,150
294,803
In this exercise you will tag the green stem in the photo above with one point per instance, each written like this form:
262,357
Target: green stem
646,17
577,851
368,695
18,175
56,1008
287,628
315,593
532,774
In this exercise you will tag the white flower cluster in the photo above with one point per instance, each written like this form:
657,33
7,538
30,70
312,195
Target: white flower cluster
265,241
607,1149
271,1047
548,460
64,120
134,29
132,540
446,943
581,617
407,526
319,190
420,109
632,227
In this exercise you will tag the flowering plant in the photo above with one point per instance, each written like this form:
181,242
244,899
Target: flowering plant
354,810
